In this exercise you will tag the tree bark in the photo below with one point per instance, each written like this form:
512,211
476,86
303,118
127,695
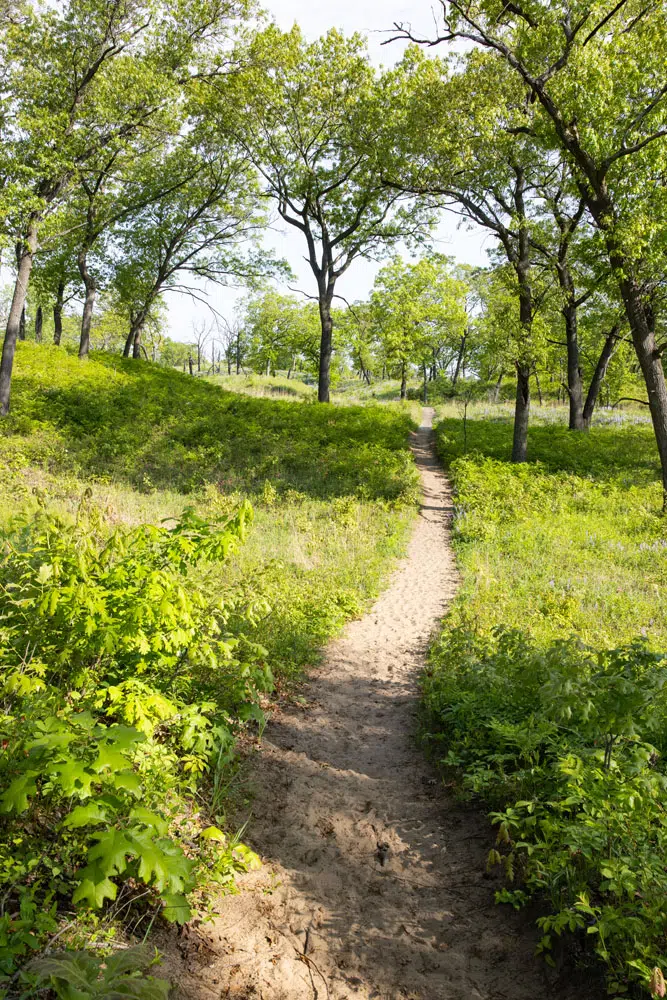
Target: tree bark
404,380
90,285
650,362
606,355
58,314
133,339
129,342
326,346
496,391
190,365
521,414
25,259
238,353
575,388
22,325
39,323
137,346
643,336
459,359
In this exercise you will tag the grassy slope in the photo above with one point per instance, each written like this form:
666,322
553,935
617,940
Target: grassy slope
568,547
568,542
147,441
332,489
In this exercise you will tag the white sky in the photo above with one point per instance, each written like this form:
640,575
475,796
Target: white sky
371,18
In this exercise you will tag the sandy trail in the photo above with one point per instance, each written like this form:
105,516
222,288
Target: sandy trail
324,918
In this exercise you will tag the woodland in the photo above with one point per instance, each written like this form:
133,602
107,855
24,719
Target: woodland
185,523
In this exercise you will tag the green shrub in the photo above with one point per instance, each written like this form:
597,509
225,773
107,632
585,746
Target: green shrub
547,688
121,684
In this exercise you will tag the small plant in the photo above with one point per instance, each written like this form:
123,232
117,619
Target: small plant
77,975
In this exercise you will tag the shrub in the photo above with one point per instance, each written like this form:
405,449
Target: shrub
547,689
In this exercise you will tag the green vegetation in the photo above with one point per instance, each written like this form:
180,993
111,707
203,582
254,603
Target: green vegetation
171,556
271,386
545,690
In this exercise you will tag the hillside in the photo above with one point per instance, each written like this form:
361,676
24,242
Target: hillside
158,644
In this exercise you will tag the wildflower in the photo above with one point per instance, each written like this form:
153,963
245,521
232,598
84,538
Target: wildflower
657,983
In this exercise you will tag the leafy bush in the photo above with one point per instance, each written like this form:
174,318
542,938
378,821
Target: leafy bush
547,689
121,685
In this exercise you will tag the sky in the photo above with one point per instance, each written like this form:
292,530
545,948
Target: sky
371,18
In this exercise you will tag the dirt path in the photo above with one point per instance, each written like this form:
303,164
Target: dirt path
341,787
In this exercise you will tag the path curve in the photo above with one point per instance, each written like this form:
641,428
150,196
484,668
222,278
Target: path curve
374,884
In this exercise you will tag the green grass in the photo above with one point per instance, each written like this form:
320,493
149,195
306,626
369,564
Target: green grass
269,386
148,426
545,689
109,445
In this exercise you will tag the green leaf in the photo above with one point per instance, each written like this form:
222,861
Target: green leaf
16,797
213,833
127,780
161,862
73,778
111,851
148,818
94,891
86,815
176,908
109,758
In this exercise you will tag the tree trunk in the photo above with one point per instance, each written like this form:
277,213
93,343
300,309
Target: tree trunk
643,337
90,286
650,362
459,359
133,339
22,325
496,391
137,345
229,363
521,414
404,380
575,388
425,393
539,388
25,260
190,365
129,342
39,322
326,346
606,355
238,353
58,314
268,367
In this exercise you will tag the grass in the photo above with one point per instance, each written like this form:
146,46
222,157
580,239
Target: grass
268,386
545,689
568,542
333,492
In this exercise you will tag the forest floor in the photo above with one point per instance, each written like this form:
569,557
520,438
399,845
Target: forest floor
374,882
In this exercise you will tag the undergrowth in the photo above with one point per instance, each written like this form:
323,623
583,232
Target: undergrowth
546,690
173,557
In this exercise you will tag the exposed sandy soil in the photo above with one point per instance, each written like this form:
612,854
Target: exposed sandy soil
374,884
